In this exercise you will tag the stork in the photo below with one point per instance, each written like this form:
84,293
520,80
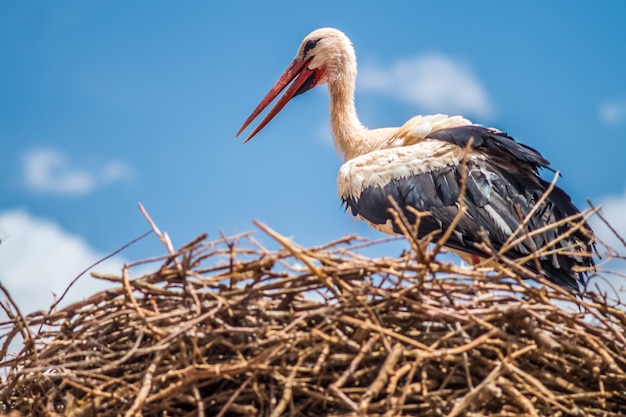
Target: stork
421,165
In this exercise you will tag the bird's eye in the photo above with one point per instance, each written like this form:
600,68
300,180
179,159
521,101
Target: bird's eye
310,45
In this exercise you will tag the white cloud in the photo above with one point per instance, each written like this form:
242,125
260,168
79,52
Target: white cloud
614,111
51,171
39,258
115,171
435,82
613,209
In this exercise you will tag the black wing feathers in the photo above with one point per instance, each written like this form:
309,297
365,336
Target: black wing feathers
491,140
498,188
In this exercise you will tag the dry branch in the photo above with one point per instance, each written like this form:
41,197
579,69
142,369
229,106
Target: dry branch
231,328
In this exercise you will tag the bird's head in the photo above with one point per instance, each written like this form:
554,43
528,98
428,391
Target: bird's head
324,56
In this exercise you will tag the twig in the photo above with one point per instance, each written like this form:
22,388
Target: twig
112,254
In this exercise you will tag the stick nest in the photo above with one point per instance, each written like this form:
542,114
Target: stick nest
230,328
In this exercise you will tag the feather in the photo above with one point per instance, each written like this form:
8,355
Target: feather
492,201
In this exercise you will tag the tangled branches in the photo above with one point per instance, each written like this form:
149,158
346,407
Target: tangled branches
231,328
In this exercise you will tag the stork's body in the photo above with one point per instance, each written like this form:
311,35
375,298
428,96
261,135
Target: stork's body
421,163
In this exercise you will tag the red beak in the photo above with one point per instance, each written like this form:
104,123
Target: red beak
305,79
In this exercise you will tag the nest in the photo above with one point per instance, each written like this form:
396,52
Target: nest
231,328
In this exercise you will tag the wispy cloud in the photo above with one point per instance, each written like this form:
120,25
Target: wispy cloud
613,207
613,111
434,82
38,259
51,171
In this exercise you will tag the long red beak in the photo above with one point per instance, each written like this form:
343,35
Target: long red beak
305,79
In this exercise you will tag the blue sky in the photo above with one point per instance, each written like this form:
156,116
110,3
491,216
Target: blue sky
106,104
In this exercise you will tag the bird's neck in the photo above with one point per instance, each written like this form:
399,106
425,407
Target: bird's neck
348,132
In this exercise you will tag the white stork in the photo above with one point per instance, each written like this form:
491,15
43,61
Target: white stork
420,165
